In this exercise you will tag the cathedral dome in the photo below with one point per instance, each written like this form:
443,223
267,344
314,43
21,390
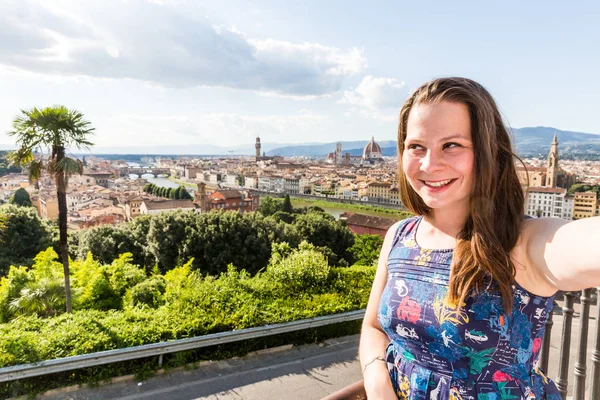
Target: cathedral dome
372,150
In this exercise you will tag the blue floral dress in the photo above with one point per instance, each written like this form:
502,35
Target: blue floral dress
474,352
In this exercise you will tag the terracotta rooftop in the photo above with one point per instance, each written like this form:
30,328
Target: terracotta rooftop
368,221
228,194
168,204
547,190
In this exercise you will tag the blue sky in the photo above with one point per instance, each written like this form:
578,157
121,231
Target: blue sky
221,72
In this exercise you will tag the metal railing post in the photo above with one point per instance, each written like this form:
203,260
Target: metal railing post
595,390
563,371
580,364
546,342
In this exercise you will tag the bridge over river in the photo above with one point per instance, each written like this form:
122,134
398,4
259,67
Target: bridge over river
139,171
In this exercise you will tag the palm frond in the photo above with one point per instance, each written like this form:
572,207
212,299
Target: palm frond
20,157
51,127
69,166
35,170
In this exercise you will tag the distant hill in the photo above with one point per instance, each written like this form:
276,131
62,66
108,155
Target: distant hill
536,142
530,141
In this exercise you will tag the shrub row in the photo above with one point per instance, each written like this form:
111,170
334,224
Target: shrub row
182,304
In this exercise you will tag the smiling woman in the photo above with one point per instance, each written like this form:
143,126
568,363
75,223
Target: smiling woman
477,278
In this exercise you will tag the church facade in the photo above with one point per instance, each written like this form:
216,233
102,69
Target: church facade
551,176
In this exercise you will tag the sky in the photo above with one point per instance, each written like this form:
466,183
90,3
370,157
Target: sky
162,72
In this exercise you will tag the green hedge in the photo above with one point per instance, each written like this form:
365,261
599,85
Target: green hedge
191,305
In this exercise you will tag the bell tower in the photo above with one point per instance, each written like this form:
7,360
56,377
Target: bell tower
552,168
257,147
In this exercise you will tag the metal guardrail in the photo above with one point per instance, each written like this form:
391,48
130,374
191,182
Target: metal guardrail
158,349
580,368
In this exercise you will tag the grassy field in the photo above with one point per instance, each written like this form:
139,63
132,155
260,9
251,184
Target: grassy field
336,208
186,184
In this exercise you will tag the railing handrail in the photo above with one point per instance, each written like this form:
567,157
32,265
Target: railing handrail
156,349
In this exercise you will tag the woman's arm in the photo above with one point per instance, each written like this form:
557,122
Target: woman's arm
373,341
566,253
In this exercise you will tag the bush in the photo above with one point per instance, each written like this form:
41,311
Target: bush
147,293
304,269
179,305
366,249
22,236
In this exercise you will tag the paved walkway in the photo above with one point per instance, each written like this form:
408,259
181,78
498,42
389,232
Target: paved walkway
304,372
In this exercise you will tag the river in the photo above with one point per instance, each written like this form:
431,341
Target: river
159,181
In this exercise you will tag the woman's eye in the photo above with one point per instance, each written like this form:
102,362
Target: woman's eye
413,146
451,145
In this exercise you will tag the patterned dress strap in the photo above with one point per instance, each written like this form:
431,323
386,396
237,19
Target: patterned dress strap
403,228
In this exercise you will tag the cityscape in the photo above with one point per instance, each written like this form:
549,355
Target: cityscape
112,191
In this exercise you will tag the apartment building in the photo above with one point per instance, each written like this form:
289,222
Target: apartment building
548,202
585,205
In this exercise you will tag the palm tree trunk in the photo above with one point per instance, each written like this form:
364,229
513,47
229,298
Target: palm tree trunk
61,193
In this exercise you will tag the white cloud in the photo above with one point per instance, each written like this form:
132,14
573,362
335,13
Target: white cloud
169,44
376,94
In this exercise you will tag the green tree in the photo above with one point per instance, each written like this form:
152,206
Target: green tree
105,242
177,194
21,198
302,270
582,187
184,194
22,236
366,249
50,132
323,230
269,206
287,205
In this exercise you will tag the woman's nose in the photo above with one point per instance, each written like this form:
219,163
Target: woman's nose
431,162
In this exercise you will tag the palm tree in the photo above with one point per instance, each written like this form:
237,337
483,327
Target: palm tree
43,298
49,132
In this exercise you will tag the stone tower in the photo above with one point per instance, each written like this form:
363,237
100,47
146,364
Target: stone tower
200,196
338,153
552,169
257,146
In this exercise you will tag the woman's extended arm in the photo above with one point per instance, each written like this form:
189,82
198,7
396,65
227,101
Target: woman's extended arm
373,341
566,253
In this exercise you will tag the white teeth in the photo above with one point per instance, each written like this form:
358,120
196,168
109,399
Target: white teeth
438,184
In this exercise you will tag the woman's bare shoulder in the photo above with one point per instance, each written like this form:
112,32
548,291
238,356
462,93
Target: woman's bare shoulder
530,270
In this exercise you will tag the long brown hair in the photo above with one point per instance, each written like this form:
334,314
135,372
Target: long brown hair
482,254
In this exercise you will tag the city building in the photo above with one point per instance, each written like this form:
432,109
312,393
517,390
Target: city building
585,205
372,153
379,191
226,200
548,202
133,207
551,176
47,206
366,224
